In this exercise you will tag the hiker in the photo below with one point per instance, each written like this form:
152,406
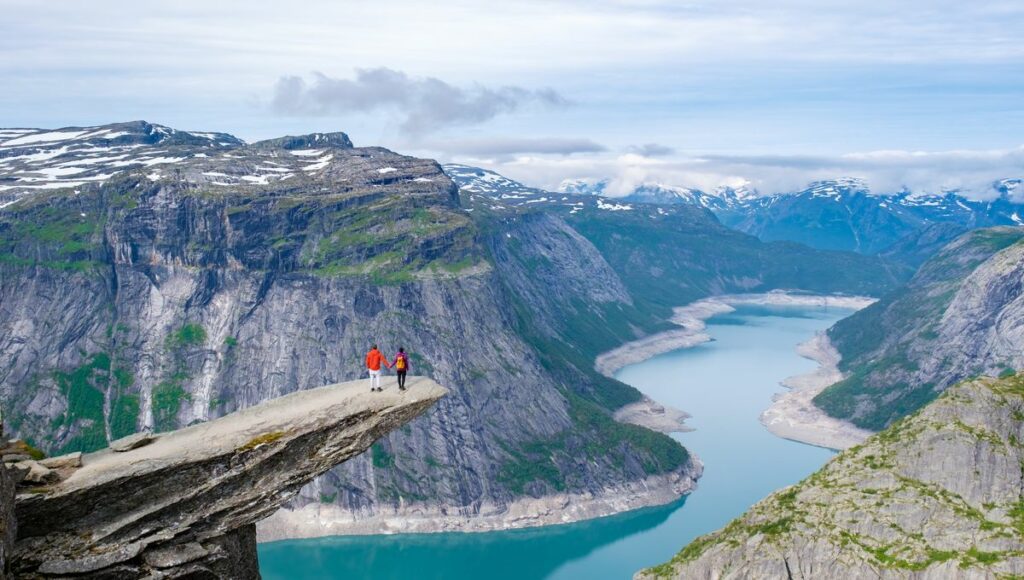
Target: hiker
401,366
373,360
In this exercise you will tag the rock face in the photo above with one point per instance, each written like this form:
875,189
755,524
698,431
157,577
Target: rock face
962,315
937,495
211,275
186,504
182,291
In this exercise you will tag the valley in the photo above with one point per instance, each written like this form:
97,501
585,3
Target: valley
182,276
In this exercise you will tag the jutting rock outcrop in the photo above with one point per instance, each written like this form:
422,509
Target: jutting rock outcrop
938,495
185,503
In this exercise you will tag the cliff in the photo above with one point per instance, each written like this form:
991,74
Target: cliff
935,496
183,504
178,292
961,315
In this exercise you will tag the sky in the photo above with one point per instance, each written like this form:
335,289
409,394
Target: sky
927,95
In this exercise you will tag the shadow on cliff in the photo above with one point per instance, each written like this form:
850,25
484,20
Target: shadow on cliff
514,554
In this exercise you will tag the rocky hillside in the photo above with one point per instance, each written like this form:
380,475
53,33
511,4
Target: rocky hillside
935,496
961,315
170,295
165,294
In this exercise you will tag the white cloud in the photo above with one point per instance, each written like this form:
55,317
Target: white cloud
972,172
424,104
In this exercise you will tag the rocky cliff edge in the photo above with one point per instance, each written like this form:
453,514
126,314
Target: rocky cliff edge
184,503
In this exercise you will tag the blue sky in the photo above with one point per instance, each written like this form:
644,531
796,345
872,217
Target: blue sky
928,95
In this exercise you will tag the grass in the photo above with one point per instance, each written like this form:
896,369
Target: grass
261,440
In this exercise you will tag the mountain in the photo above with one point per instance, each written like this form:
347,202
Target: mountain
961,315
841,214
845,215
34,160
936,495
173,294
657,193
669,255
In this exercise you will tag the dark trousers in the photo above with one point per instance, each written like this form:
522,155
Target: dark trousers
401,379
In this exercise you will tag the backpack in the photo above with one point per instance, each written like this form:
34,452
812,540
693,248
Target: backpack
400,363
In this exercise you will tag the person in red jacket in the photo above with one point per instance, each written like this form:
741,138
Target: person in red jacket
401,366
373,361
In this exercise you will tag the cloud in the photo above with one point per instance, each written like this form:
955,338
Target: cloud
425,104
652,150
510,147
971,172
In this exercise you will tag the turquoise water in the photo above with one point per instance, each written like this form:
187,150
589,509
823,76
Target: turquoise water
724,384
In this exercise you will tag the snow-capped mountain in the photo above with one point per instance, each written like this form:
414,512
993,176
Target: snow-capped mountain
844,214
39,159
583,186
662,194
488,190
837,214
482,181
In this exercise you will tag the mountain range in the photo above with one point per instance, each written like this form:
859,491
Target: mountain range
841,214
153,278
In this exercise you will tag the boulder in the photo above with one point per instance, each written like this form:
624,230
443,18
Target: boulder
37,472
132,441
71,460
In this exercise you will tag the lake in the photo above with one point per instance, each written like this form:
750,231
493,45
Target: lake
724,384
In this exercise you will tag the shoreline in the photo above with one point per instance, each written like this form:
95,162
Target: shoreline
319,520
792,414
691,318
653,415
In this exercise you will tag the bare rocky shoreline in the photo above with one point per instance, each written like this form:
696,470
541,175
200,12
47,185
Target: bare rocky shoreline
316,520
792,414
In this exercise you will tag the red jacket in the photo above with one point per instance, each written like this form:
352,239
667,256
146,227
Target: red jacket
373,359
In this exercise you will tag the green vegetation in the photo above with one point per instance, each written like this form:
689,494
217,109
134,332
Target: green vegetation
595,437
167,398
882,344
230,342
83,388
58,237
191,334
124,415
381,458
392,241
